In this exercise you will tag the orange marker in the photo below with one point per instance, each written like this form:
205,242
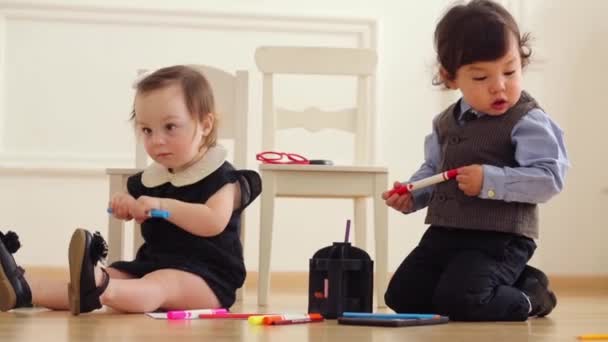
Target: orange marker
593,337
292,319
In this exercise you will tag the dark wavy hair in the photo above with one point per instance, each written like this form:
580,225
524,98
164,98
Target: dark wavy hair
476,32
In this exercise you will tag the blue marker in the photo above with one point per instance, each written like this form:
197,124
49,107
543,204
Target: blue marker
388,315
153,213
159,213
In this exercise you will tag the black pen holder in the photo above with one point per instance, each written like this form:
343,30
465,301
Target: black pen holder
341,279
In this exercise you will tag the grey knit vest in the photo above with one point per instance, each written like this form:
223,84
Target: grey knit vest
486,140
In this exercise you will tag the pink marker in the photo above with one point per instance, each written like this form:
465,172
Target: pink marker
423,183
193,314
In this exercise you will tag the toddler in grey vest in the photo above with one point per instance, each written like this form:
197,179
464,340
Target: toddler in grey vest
471,263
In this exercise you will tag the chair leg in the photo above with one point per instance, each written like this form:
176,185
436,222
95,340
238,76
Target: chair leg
381,239
239,292
360,211
115,240
265,243
115,235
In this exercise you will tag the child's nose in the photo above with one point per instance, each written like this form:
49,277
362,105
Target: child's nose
158,139
498,86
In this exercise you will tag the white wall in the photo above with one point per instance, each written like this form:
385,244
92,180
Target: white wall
65,98
569,79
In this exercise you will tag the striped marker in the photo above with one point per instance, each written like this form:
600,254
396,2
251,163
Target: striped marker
423,183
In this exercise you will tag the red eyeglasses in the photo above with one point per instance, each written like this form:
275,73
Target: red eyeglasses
272,157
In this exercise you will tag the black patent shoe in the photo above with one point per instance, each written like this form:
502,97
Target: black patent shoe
14,290
535,284
86,250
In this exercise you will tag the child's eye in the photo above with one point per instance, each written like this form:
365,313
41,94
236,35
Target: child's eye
146,131
170,127
479,78
509,73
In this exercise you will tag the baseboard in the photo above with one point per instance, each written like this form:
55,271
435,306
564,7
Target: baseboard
580,284
298,281
280,281
567,284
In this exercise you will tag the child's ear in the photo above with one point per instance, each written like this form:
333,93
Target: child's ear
447,78
207,123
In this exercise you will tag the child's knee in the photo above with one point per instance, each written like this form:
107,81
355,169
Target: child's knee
398,298
404,300
459,302
390,298
445,300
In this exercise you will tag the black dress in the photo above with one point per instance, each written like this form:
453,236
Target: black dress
218,259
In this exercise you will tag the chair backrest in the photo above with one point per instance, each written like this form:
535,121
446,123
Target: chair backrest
359,63
231,96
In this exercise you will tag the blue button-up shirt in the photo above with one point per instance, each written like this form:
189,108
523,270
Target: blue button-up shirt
539,151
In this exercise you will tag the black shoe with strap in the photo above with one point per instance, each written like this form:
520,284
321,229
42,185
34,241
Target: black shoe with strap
14,290
535,284
86,250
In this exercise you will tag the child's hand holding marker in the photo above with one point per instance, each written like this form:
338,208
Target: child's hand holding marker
120,206
146,205
402,203
153,213
401,189
403,200
124,207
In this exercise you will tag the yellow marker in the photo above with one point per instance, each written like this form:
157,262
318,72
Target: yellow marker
593,337
256,320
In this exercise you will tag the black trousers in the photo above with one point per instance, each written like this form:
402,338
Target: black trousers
467,275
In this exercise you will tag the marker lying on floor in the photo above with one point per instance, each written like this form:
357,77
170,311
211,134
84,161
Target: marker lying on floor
593,337
192,314
233,315
296,321
389,315
285,319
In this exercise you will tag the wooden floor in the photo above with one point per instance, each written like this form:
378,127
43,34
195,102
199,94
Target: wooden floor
575,314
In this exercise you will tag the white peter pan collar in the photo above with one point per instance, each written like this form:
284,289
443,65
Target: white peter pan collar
156,174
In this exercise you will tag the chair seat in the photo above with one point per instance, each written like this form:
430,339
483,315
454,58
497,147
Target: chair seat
323,181
322,168
125,171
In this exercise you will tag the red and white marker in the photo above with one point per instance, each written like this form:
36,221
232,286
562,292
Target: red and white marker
423,183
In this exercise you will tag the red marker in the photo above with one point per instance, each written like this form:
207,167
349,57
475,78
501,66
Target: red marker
232,315
423,183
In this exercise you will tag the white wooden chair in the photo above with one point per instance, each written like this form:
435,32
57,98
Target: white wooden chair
320,181
231,95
